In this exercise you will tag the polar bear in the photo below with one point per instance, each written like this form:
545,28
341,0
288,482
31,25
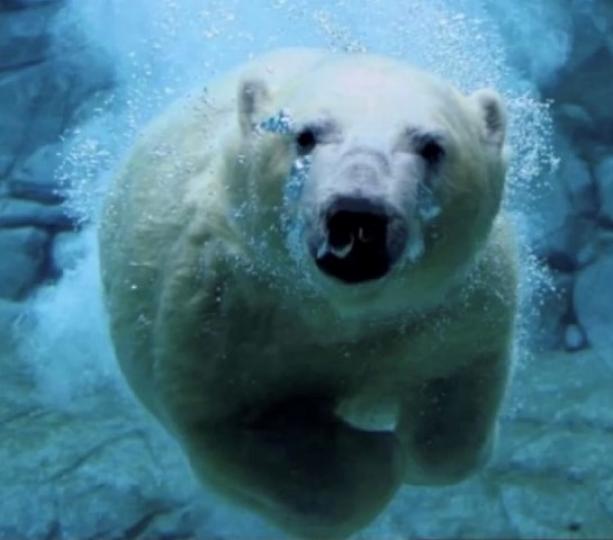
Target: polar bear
311,285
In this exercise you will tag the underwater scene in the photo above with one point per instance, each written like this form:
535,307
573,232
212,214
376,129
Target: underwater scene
275,269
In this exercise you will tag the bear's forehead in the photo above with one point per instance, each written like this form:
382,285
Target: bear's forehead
368,77
354,94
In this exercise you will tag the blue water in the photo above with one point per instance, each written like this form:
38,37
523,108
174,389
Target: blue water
141,485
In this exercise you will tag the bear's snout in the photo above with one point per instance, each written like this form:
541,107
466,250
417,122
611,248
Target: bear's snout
362,238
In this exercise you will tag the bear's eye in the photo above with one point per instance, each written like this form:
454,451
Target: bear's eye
306,140
431,150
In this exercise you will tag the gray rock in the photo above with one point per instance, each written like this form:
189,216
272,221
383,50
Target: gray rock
573,117
605,241
579,184
543,318
22,213
16,5
574,337
524,22
550,213
590,84
23,260
68,249
14,119
25,36
34,178
48,89
46,82
7,159
43,192
44,99
601,12
588,245
569,247
11,315
604,179
588,34
593,302
565,214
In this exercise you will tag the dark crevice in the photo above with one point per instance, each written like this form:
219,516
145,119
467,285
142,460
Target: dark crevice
48,272
605,222
139,528
88,455
54,532
562,262
31,191
12,68
19,5
28,413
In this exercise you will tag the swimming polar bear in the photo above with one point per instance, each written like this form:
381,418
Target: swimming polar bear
310,282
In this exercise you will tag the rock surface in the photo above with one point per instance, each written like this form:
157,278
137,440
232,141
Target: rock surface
102,469
25,34
33,177
24,260
604,179
24,213
593,301
47,86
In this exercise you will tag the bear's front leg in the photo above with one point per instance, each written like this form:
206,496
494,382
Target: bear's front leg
301,467
448,424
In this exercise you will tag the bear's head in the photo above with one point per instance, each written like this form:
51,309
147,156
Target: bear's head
374,179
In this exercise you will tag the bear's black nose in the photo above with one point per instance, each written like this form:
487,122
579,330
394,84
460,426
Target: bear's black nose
357,244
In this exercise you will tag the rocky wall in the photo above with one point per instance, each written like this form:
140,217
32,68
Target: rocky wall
574,236
48,85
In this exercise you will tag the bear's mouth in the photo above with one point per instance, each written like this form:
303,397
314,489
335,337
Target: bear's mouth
355,249
357,244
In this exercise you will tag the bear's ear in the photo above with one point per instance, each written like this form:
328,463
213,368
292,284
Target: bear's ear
253,95
492,111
